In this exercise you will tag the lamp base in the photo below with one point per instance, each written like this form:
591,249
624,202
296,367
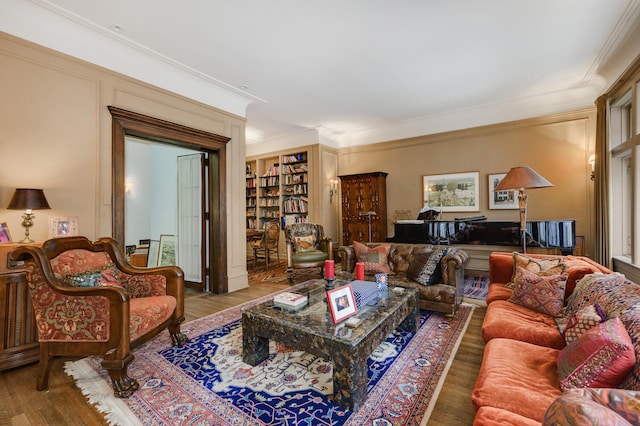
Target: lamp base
26,240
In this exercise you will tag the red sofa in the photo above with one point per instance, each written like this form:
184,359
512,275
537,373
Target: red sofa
518,379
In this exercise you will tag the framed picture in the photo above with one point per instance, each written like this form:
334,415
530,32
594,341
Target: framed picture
452,192
5,236
152,257
167,250
144,243
501,199
63,226
129,250
342,303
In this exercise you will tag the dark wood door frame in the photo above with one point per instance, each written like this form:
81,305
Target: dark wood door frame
127,123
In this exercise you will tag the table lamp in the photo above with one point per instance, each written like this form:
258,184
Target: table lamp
521,178
28,199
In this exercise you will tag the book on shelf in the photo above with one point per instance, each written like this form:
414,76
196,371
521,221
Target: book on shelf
289,300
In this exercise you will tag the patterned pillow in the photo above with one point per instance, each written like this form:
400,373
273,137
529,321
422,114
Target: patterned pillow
601,357
544,294
549,266
600,406
305,243
583,320
425,268
374,258
93,278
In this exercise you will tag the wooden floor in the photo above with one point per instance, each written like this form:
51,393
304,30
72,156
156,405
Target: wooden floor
64,404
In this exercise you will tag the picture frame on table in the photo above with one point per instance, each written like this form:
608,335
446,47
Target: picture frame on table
342,303
5,235
63,226
501,200
452,192
154,250
167,250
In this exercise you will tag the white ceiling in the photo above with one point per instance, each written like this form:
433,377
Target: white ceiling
363,71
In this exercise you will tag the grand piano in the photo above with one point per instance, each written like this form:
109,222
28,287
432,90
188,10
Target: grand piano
558,234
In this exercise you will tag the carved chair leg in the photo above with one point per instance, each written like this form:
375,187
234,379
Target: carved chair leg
177,337
123,385
44,368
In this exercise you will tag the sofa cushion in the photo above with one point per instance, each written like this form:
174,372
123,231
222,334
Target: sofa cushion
492,416
583,320
539,266
584,406
518,377
507,320
542,293
374,258
601,357
498,291
425,267
146,313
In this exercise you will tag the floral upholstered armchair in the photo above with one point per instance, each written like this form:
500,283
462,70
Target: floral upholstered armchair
88,300
307,247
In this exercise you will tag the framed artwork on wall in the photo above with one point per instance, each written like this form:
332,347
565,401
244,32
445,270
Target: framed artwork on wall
167,250
452,192
5,236
63,226
501,200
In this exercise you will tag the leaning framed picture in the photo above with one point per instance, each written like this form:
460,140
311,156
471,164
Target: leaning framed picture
152,257
452,192
63,226
342,303
501,200
5,236
167,250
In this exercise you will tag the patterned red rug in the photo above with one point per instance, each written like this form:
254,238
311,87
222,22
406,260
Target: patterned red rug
206,381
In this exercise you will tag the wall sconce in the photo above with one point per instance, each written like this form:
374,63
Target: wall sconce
128,187
592,161
333,189
28,200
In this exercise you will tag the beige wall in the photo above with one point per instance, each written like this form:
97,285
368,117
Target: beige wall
557,147
56,134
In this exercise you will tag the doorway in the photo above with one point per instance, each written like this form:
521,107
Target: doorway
126,123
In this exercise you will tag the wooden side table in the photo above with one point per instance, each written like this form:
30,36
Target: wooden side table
18,333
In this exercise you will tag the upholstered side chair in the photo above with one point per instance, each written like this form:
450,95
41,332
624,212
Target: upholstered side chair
307,247
88,300
268,244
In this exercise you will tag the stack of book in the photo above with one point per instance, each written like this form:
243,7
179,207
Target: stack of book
291,301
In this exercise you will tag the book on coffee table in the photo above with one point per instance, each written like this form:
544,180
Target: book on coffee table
289,300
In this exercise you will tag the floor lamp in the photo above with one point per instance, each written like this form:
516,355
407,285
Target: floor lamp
521,178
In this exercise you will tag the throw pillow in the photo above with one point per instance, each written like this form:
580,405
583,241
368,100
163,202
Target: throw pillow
305,243
93,278
375,259
601,357
585,406
545,266
544,294
582,321
425,268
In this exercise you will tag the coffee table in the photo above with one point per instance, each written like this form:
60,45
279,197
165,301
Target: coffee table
311,329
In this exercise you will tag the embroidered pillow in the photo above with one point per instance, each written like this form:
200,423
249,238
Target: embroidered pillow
545,266
583,320
93,278
599,406
375,259
305,243
425,268
544,294
601,357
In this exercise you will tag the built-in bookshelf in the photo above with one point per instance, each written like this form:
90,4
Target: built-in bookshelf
295,190
252,192
269,191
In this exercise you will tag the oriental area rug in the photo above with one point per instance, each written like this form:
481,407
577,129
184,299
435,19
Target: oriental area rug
206,383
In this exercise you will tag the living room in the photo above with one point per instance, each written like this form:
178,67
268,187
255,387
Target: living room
57,135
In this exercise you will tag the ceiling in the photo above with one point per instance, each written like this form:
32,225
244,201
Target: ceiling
363,71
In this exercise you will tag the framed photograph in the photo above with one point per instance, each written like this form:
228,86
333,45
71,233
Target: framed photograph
129,250
63,226
167,250
144,243
501,199
152,257
5,236
342,303
452,192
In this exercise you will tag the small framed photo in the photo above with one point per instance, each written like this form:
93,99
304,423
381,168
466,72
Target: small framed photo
5,236
501,200
342,303
63,226
144,243
167,250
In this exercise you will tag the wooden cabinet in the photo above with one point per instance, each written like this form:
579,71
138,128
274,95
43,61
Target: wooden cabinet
364,207
18,334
